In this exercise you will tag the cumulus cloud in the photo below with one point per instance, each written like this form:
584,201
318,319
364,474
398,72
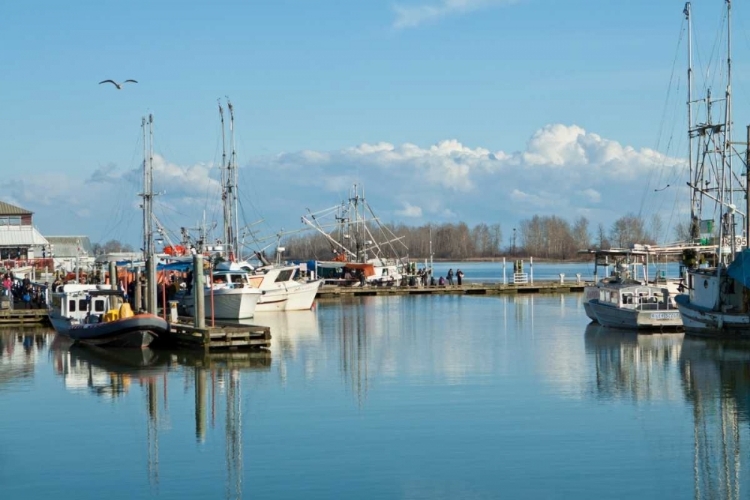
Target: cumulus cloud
563,170
410,210
409,16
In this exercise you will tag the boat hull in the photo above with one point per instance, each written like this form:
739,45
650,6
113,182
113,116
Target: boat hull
136,331
639,319
226,303
294,296
701,321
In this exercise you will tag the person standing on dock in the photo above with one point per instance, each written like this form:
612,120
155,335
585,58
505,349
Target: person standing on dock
450,276
459,276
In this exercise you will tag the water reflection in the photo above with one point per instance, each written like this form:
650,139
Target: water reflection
291,333
19,352
716,377
634,366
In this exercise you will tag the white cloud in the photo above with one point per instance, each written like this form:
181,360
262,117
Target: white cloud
410,210
592,195
409,16
563,170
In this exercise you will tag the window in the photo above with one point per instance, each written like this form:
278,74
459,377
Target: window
98,306
285,275
72,305
82,304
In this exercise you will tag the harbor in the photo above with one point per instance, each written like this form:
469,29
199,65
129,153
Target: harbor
365,375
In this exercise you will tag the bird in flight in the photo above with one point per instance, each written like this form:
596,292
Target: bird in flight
118,85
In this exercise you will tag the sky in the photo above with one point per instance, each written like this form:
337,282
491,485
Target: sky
444,111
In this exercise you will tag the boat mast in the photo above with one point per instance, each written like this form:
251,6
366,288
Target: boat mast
694,208
145,188
148,196
224,175
232,186
727,153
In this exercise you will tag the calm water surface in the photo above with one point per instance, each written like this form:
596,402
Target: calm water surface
383,397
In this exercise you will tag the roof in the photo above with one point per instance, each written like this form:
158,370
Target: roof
70,246
19,236
8,209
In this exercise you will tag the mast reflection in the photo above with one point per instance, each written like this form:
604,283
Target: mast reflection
716,378
213,376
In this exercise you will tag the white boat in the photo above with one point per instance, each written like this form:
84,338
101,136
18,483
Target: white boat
281,291
228,295
619,266
235,289
635,306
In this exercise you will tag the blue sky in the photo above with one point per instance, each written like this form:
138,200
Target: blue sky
327,77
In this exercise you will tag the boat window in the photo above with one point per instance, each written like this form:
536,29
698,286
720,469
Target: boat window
72,305
82,305
219,278
285,275
99,306
237,278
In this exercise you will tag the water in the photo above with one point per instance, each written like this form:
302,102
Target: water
424,397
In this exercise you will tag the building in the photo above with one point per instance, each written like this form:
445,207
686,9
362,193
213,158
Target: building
19,239
70,252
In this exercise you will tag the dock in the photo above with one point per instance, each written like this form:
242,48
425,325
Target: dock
221,336
333,291
23,317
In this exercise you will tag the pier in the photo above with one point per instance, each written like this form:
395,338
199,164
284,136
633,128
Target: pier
332,291
221,336
23,316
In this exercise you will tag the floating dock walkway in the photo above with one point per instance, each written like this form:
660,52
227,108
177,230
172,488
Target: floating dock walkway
23,317
332,291
223,335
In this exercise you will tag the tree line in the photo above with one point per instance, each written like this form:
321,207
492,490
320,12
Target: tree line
548,237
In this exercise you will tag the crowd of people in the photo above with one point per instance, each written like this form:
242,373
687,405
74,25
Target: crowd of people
22,293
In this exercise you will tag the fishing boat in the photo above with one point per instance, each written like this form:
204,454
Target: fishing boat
637,306
100,316
718,299
362,246
619,266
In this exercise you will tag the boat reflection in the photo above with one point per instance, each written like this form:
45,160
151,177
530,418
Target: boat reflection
716,378
634,366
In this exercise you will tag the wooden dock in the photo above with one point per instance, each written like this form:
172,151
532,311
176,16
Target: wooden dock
332,291
23,317
224,335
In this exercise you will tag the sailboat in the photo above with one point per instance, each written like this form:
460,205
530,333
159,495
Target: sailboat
718,298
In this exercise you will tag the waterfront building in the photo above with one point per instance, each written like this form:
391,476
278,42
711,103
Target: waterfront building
19,239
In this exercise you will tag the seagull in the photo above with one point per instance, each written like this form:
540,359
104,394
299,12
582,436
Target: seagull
118,85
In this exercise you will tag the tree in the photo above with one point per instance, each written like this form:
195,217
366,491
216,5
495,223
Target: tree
628,230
